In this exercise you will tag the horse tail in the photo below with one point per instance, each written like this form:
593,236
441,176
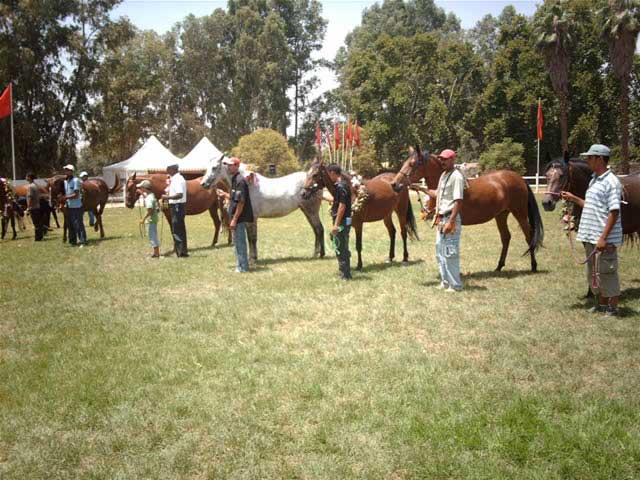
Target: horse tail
535,221
412,228
116,187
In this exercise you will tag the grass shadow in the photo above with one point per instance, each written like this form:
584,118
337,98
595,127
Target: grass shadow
289,259
630,293
504,274
377,267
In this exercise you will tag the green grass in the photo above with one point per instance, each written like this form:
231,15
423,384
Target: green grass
115,366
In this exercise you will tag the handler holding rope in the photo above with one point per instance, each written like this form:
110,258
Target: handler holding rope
341,215
600,230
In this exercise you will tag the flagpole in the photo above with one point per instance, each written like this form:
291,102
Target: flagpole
538,163
13,153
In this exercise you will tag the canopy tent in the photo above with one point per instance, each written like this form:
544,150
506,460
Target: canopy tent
151,156
198,159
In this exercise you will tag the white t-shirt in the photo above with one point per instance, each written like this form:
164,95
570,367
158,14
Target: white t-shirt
178,185
450,189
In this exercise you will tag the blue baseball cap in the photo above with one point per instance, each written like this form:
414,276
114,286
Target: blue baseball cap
597,150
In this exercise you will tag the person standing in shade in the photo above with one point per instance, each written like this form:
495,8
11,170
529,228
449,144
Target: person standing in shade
341,215
73,199
448,198
84,176
600,230
33,207
177,197
151,205
240,212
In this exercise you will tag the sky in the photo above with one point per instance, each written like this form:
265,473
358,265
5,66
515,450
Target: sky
342,17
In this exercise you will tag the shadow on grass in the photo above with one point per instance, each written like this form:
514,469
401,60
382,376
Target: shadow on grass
292,259
377,267
630,293
434,283
504,274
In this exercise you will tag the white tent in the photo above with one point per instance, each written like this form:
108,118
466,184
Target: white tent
151,156
198,159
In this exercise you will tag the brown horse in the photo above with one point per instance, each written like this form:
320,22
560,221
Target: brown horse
45,203
95,194
574,175
380,204
199,199
8,209
494,195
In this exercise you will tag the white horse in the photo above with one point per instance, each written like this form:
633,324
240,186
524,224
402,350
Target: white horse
272,198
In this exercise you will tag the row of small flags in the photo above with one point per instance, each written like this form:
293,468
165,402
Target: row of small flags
341,142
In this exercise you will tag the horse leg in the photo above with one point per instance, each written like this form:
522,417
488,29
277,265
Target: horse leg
313,217
401,211
252,235
13,226
388,222
55,217
224,215
358,228
523,220
4,226
167,215
505,237
213,212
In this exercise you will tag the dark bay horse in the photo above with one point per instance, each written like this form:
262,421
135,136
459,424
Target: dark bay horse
380,204
95,194
573,175
46,205
493,195
8,209
199,200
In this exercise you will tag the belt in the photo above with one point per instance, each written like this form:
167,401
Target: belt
445,214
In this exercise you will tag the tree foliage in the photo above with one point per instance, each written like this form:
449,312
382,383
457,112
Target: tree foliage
504,155
265,147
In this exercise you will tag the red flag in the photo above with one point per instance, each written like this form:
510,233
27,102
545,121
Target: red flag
5,102
357,134
318,137
349,134
336,134
540,120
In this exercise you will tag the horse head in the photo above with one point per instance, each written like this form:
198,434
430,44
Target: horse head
557,173
131,192
314,180
408,169
56,187
215,172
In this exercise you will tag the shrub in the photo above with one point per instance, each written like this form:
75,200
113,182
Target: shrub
506,155
264,147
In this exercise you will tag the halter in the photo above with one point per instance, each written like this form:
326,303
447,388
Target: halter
565,178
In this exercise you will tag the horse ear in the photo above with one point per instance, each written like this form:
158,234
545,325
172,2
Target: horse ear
133,177
418,150
567,157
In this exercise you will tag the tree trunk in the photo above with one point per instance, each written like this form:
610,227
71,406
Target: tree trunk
624,124
564,129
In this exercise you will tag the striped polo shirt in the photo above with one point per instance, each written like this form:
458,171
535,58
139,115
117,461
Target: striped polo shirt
603,196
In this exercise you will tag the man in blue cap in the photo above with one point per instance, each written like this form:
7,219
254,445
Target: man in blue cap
600,229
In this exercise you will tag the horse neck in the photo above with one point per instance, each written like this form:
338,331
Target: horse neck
578,180
430,170
327,181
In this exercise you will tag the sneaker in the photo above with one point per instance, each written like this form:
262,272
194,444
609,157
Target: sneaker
452,290
442,286
611,312
597,309
82,245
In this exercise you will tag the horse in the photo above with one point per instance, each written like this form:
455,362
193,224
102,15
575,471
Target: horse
198,199
46,206
573,175
381,202
493,195
95,194
272,198
8,209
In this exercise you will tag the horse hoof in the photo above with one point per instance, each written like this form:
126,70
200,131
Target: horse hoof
389,260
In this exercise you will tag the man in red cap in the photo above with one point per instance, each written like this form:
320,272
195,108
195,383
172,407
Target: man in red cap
448,198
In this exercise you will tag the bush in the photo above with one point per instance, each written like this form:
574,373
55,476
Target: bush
506,155
264,147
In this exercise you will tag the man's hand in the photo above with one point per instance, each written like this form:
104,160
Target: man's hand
334,230
142,221
222,194
601,245
449,227
233,225
568,196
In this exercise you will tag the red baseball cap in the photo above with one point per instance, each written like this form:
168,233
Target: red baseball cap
448,153
231,161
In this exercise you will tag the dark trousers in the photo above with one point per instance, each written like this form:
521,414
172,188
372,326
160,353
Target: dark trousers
77,232
38,224
342,252
179,228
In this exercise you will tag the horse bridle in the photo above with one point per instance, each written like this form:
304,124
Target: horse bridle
565,177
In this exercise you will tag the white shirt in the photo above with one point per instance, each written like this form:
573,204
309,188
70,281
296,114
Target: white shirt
450,189
178,185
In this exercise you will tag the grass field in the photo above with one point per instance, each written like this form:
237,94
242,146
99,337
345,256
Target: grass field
113,366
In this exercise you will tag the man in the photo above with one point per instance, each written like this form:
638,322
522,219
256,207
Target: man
84,176
341,215
33,207
177,197
448,198
73,198
600,230
240,212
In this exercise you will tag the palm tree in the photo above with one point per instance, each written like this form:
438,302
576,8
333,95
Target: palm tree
621,25
552,29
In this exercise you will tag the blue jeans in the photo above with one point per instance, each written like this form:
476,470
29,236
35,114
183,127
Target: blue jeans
448,255
240,244
153,235
92,218
179,228
77,232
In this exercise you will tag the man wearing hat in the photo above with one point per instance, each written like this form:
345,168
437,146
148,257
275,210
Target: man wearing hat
240,212
177,197
600,229
73,199
84,176
448,198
